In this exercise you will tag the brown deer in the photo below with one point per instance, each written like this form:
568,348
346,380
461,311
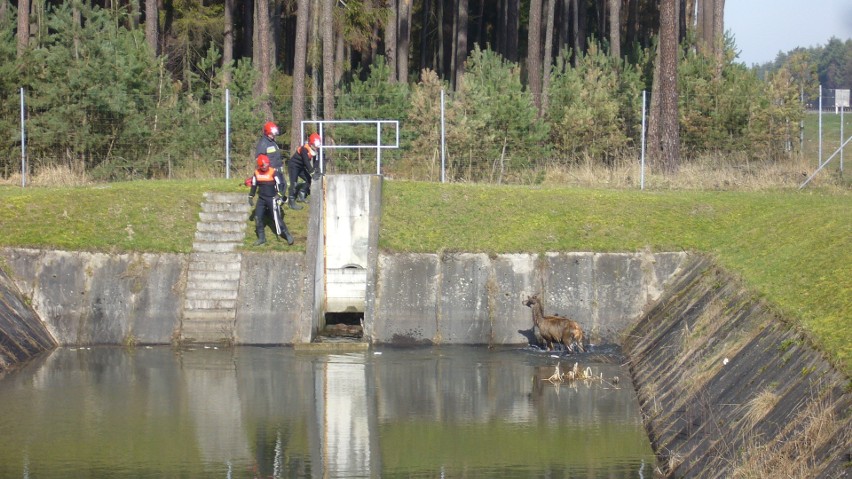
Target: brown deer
554,329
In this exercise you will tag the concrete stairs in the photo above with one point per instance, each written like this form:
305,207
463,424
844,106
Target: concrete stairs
213,278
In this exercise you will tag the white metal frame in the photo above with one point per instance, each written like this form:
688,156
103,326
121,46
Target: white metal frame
378,146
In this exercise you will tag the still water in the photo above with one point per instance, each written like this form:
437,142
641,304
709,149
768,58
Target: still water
448,412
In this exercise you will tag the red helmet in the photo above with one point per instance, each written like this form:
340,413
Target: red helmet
314,140
262,162
270,129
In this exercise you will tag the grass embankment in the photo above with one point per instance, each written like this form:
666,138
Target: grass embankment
791,248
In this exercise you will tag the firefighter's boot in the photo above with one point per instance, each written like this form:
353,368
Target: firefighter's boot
285,233
301,193
259,230
291,202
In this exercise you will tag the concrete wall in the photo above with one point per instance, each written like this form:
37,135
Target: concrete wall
465,298
468,298
273,305
96,298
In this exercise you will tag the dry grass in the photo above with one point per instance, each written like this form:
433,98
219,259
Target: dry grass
710,172
706,173
759,406
793,453
52,176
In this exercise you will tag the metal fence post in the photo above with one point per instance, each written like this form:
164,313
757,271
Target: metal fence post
642,162
819,113
379,149
321,149
227,134
23,143
443,140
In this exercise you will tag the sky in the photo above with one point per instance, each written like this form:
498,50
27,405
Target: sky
762,28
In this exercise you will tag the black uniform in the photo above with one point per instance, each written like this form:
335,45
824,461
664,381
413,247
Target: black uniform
268,147
301,165
267,186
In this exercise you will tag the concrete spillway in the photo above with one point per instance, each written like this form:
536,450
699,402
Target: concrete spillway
351,206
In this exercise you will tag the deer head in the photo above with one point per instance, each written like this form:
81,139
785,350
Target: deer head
531,300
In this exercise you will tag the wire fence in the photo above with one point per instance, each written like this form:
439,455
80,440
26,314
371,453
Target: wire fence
141,137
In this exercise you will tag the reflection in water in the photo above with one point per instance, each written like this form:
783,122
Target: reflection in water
275,412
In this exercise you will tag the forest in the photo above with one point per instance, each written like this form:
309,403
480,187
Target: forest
124,89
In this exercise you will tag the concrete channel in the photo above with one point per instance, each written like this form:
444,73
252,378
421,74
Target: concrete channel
701,349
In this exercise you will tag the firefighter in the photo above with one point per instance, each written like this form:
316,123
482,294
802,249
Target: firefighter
266,145
266,184
302,165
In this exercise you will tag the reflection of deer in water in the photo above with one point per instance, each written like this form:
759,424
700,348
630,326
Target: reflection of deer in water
554,329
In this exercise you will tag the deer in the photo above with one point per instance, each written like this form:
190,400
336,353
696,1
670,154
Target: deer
554,329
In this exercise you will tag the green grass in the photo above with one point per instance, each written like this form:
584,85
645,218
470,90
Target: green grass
792,248
155,216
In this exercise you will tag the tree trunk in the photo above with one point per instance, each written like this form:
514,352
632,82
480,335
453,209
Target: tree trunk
440,66
134,14
719,34
4,10
300,57
340,56
426,13
228,43
454,43
461,42
262,53
669,124
480,27
563,23
615,29
404,39
328,59
247,8
578,40
23,26
500,37
152,19
705,26
255,52
689,13
391,40
653,144
632,31
77,20
276,32
534,53
582,22
548,53
512,23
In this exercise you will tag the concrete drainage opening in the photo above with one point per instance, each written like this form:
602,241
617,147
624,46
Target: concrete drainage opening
348,325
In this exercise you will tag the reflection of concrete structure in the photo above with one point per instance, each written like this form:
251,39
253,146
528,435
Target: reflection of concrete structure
347,435
213,404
